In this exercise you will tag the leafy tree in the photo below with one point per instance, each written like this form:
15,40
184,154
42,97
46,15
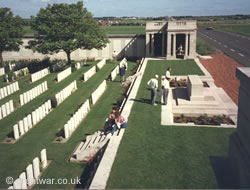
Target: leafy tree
66,27
11,32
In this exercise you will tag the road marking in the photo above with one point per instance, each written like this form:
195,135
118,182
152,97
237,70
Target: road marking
232,50
241,55
225,46
215,40
219,42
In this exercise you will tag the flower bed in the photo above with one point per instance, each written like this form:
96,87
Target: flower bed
183,83
204,120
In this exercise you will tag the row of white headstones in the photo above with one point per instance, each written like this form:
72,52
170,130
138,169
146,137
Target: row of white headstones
31,175
40,74
6,109
23,71
76,119
66,92
8,90
28,122
2,71
62,75
33,93
87,75
81,113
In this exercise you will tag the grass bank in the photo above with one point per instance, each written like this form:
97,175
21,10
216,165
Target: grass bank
152,156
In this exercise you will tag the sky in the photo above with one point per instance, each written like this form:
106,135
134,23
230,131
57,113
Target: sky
139,8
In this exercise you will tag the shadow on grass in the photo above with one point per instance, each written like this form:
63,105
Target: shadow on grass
222,172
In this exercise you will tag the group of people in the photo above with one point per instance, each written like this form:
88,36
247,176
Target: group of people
153,83
114,121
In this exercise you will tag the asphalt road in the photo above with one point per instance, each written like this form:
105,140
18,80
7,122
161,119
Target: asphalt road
233,45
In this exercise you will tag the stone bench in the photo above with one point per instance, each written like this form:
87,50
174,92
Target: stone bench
195,88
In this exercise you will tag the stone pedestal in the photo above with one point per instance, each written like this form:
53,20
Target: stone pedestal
195,88
239,151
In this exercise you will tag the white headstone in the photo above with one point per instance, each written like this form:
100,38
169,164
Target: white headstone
17,184
38,115
46,85
11,106
44,110
36,91
29,121
25,124
21,100
4,110
30,176
49,101
21,128
34,119
10,187
28,96
25,98
36,168
17,86
1,117
7,106
14,87
23,179
66,131
2,93
8,90
11,89
16,131
44,158
40,89
5,91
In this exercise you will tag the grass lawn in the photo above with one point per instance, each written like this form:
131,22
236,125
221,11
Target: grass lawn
108,29
124,29
14,158
152,156
243,29
203,48
179,67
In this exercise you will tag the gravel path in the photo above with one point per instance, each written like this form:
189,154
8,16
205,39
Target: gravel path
223,69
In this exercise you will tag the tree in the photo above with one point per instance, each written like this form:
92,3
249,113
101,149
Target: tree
11,32
66,27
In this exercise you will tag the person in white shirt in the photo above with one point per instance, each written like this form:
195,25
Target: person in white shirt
164,89
153,83
168,75
114,56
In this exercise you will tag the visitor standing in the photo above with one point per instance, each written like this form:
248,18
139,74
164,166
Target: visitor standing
168,75
153,83
164,89
114,56
122,71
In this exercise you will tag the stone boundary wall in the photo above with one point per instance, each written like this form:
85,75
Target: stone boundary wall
124,45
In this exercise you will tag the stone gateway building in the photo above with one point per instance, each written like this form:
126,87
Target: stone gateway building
171,39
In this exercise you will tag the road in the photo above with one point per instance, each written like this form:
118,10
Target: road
233,45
